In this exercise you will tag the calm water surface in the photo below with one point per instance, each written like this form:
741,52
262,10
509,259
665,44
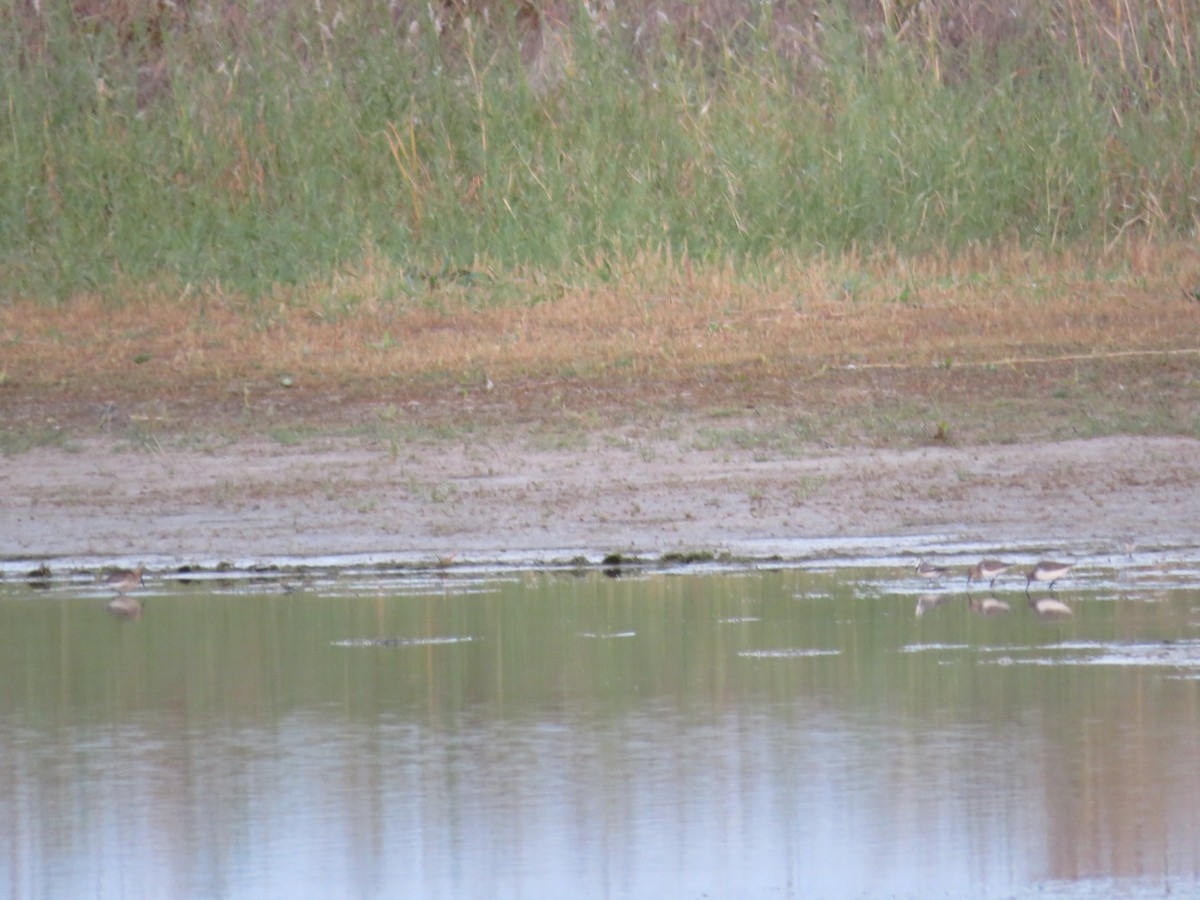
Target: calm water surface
755,733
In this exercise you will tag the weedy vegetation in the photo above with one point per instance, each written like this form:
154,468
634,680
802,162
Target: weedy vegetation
236,200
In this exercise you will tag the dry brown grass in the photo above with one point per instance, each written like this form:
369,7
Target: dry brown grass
660,334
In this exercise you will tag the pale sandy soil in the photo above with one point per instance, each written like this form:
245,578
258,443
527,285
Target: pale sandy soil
507,498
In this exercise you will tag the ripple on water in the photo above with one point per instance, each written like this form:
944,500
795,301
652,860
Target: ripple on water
926,648
402,642
605,635
787,653
1184,655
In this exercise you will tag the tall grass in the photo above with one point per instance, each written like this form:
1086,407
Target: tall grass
248,146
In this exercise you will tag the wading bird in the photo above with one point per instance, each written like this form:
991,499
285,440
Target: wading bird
123,580
988,570
929,570
1046,571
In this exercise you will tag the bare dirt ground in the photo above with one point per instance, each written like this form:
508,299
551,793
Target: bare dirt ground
1008,399
524,495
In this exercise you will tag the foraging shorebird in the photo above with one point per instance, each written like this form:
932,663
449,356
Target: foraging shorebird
124,580
1046,571
929,570
987,570
1049,607
988,606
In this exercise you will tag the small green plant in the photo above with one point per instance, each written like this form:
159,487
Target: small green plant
440,493
805,487
676,557
289,436
21,440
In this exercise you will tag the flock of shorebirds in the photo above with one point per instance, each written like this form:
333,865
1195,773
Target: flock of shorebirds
125,580
1044,572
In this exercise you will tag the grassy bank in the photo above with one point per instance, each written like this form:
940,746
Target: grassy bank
1002,344
200,149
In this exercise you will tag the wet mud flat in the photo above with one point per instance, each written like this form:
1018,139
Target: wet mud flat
511,502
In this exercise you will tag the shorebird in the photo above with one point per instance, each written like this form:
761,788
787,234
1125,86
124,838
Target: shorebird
1049,607
988,606
126,607
1128,544
1046,571
929,570
987,570
123,580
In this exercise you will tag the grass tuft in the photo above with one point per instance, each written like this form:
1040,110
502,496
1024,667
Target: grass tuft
248,147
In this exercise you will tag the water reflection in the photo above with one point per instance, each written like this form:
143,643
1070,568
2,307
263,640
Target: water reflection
125,607
793,733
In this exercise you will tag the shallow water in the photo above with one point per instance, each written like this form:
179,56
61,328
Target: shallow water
743,732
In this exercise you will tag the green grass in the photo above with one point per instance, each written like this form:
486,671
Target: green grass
291,436
15,441
301,146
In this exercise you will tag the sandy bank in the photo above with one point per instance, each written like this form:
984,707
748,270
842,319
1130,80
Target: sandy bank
509,498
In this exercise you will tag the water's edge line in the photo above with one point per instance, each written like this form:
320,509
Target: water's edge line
830,553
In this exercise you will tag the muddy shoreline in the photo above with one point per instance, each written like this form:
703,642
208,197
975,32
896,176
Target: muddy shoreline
506,500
